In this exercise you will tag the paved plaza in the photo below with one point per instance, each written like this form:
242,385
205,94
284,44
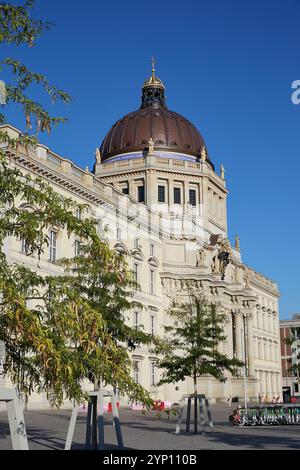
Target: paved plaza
47,430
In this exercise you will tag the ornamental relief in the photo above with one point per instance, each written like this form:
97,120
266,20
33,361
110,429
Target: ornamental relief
180,286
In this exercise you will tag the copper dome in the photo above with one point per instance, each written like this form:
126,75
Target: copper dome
170,131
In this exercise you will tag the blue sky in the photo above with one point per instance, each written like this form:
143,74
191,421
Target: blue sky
227,65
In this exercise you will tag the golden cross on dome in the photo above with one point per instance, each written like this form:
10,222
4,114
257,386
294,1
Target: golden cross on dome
153,66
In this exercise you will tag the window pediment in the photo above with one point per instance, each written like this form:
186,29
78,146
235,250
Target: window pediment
153,261
121,248
137,254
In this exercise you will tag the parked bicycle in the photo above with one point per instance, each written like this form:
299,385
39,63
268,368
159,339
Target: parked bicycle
269,415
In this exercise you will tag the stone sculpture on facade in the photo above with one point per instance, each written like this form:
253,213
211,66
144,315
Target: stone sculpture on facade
247,279
200,257
222,172
221,256
203,154
98,155
151,146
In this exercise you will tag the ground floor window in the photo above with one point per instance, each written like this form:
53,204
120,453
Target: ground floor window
136,371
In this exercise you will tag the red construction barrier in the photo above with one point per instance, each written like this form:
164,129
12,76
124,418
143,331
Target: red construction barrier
110,406
159,405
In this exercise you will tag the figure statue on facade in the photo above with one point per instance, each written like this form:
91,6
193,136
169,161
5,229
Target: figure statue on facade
203,154
215,264
247,279
221,254
222,172
237,243
224,255
98,155
200,257
238,275
224,261
151,146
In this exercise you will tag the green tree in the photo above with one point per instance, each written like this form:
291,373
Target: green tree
56,332
191,343
293,341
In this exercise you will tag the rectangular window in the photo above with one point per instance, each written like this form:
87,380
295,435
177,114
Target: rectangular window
78,214
161,194
152,281
136,243
125,190
136,371
136,318
52,246
141,194
77,248
152,374
152,324
135,272
119,234
192,197
177,196
151,249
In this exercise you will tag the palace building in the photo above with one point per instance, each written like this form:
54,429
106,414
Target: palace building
159,200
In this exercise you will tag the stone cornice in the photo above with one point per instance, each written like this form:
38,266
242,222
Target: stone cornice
50,173
168,167
161,173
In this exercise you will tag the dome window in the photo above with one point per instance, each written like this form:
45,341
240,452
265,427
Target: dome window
159,141
188,146
128,144
174,143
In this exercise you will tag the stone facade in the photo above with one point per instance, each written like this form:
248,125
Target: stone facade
170,245
290,354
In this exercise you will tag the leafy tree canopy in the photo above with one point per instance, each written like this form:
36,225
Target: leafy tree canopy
57,330
192,340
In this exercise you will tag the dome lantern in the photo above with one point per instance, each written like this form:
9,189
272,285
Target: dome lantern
153,91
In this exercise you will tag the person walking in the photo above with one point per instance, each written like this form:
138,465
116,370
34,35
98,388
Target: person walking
229,400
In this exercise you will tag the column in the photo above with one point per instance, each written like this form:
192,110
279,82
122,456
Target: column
274,388
131,188
170,193
151,189
278,388
250,345
238,335
186,197
268,383
229,335
261,381
257,384
256,349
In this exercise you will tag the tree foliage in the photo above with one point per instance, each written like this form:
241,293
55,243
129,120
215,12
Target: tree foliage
192,340
57,329
293,341
17,26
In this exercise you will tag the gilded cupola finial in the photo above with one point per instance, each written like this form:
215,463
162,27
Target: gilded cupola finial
153,81
153,66
153,90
